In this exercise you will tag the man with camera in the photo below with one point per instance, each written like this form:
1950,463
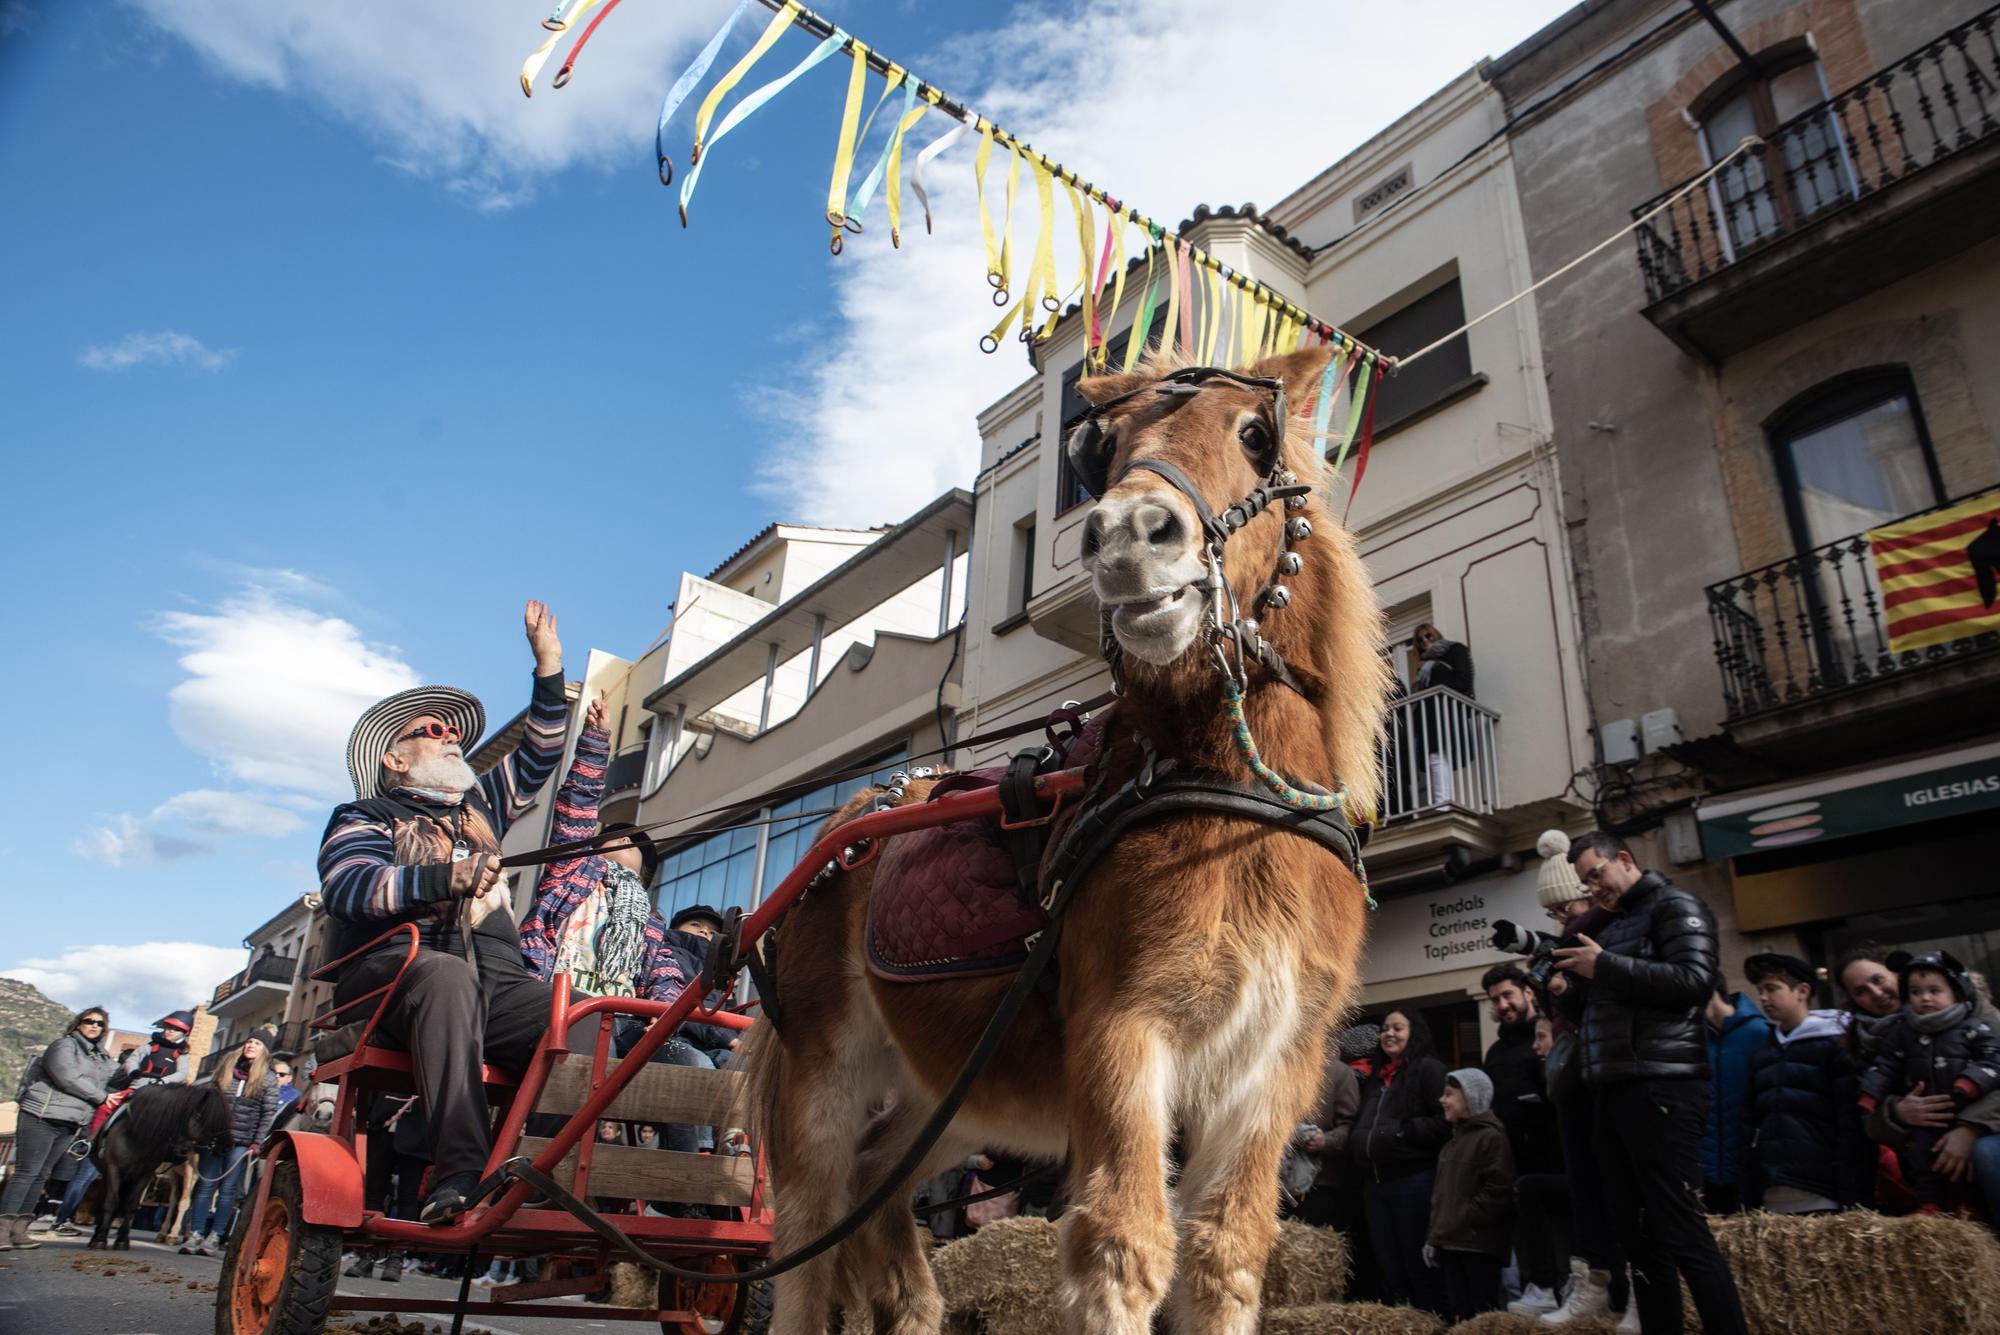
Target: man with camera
1646,1058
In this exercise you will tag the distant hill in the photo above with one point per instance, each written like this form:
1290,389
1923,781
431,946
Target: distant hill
29,1022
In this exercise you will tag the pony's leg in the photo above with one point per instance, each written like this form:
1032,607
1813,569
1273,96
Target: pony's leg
1229,1199
185,1178
1117,1240
820,1115
124,1197
885,1268
112,1182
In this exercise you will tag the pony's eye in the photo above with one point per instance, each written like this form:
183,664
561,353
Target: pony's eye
1256,439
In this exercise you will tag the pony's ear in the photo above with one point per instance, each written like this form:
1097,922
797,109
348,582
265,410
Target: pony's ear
1299,372
1098,389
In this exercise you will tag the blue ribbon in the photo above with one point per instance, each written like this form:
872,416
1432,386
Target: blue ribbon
859,204
684,85
741,111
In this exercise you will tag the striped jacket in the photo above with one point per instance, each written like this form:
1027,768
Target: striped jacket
367,888
568,884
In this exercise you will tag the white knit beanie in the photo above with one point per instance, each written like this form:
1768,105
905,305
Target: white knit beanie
1557,883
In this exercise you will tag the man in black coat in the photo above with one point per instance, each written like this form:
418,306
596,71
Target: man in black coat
1520,1093
1645,1055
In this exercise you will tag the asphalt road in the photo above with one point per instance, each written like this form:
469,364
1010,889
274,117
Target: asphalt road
60,1288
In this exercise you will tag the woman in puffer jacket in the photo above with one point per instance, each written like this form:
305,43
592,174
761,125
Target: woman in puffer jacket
254,1099
59,1092
1395,1140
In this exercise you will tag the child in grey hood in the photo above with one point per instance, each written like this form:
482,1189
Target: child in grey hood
1472,1201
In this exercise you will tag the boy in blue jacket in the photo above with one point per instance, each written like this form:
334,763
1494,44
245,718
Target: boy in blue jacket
1735,1032
1808,1154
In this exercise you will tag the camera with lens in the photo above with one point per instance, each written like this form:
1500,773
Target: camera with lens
1539,947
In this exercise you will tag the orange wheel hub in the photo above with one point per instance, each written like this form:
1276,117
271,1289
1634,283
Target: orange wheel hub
260,1268
712,1304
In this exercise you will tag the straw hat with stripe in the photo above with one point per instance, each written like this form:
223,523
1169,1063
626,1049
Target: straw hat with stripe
386,720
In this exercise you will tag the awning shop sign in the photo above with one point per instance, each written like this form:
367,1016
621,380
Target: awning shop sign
1923,789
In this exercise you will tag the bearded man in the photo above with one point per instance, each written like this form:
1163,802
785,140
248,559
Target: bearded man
420,844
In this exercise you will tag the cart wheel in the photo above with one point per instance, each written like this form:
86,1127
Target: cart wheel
721,1309
278,1271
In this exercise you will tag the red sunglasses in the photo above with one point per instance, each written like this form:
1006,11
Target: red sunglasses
437,732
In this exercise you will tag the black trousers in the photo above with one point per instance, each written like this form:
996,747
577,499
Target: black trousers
450,1021
1593,1234
1471,1283
1542,1228
1649,1145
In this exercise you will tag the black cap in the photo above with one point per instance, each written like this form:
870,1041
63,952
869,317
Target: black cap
702,911
1939,961
1789,966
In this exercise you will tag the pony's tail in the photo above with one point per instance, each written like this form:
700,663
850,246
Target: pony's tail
760,1055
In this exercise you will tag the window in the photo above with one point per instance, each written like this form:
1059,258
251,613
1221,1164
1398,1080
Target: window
1440,374
716,871
1024,569
792,838
1852,455
1815,171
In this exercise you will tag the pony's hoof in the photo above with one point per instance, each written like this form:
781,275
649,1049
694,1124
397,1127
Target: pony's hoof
94,1245
122,1245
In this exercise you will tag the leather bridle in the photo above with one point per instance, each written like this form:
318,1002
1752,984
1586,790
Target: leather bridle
1090,450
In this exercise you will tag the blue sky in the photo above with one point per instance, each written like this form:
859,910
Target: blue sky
324,349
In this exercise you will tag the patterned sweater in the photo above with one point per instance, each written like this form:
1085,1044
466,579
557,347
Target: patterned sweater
570,897
363,882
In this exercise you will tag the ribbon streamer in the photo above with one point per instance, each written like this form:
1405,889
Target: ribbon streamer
751,101
532,66
569,61
931,150
895,159
776,28
857,203
692,75
1142,326
843,154
1367,436
1121,219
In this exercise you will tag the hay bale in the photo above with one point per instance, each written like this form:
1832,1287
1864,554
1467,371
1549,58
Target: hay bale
634,1285
1308,1265
1826,1274
1003,1277
1349,1319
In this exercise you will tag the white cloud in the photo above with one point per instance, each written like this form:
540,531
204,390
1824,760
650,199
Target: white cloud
435,83
1165,103
137,983
274,687
164,347
174,829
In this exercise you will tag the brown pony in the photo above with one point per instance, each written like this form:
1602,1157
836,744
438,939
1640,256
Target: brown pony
1201,962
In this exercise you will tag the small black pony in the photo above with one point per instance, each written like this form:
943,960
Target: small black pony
161,1124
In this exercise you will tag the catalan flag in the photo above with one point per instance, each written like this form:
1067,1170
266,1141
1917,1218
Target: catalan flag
1940,573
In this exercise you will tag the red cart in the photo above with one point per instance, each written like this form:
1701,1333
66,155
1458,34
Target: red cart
281,1266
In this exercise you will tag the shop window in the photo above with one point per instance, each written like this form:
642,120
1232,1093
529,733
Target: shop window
1806,169
795,824
1853,454
1436,378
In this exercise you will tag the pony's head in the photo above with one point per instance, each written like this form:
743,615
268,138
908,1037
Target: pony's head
1164,430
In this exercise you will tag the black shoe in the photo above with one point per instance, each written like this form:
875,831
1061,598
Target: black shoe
363,1264
392,1269
449,1198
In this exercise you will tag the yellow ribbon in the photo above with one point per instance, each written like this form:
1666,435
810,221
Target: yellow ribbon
1212,325
979,161
531,68
1119,223
1085,215
930,96
1171,337
843,153
1255,313
1007,228
780,23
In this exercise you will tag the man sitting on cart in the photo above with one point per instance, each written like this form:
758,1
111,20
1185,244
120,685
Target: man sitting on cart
421,844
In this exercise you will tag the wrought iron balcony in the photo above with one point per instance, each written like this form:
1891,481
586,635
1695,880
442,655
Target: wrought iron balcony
1910,115
1812,624
1440,755
278,969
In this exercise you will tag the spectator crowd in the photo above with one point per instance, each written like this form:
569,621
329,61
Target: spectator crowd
1632,1091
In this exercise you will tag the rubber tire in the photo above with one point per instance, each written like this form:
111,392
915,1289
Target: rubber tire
312,1264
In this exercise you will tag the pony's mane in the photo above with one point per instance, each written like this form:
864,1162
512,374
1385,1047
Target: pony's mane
161,1114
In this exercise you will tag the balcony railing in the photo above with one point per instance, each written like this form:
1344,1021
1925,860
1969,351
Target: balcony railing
271,969
1440,755
625,770
292,1039
1810,624
1938,100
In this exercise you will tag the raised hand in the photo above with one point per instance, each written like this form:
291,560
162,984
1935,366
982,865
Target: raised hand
541,627
593,715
